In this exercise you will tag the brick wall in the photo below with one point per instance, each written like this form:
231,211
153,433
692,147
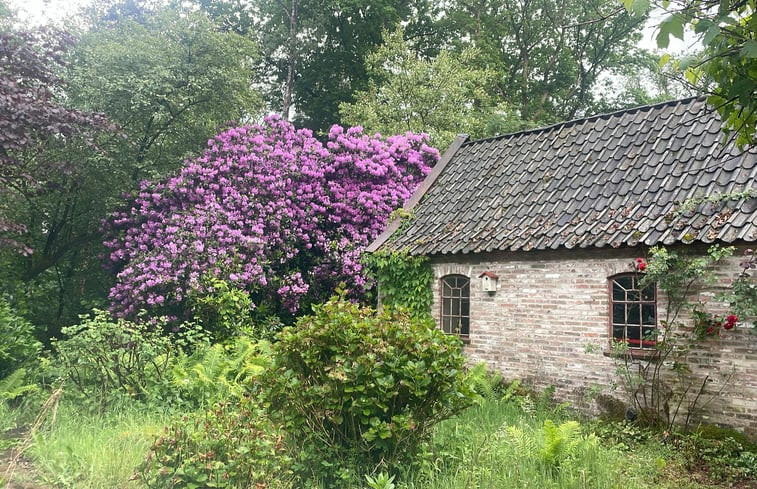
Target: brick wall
548,324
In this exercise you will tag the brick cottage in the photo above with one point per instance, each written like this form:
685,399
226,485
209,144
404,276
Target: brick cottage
533,235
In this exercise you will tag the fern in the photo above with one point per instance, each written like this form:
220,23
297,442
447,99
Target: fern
13,386
217,371
483,383
560,442
553,445
523,443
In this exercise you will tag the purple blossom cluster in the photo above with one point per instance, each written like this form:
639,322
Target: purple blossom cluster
269,209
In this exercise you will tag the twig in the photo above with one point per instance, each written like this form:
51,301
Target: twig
50,406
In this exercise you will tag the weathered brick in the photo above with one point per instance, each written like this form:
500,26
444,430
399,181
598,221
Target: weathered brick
549,305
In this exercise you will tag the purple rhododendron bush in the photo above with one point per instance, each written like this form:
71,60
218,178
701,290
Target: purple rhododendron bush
267,208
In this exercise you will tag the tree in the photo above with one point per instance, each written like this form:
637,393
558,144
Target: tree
34,125
315,51
547,54
726,68
443,96
267,208
169,79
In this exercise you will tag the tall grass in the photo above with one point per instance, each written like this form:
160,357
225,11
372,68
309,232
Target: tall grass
497,444
92,451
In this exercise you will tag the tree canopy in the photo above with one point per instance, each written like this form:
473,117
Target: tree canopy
726,67
169,79
34,125
443,96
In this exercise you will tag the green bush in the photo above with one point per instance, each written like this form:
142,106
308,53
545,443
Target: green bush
357,389
104,357
17,341
232,446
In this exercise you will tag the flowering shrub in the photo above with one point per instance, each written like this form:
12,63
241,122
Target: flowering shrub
268,209
707,326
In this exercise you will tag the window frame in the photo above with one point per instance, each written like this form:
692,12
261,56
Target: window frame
461,309
642,349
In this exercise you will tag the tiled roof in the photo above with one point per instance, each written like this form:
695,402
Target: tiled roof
605,181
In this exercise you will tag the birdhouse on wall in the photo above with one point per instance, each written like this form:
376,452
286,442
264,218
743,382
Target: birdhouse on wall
488,282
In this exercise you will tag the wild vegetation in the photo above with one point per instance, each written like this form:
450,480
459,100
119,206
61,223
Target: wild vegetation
230,341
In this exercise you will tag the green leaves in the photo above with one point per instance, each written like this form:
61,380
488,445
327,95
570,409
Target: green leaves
636,7
442,96
749,49
360,388
727,67
403,280
671,25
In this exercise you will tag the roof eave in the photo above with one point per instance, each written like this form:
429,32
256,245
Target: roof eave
419,192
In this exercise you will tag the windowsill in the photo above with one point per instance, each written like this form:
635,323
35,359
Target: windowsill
465,339
634,353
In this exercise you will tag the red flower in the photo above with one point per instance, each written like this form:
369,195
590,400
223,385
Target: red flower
730,321
641,266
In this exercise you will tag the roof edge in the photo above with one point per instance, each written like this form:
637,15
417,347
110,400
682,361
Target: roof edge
419,192
592,117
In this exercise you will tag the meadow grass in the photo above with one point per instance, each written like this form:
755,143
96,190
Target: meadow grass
100,451
495,444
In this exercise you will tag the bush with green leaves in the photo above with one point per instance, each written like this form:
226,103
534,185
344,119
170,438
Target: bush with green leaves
358,389
724,455
18,344
104,357
233,445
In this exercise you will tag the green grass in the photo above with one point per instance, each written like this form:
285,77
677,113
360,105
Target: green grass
94,452
497,444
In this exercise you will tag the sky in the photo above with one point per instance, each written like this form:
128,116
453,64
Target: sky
38,12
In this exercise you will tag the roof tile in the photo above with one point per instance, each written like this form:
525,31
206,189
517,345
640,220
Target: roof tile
610,180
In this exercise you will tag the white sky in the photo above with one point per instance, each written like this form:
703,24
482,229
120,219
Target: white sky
38,12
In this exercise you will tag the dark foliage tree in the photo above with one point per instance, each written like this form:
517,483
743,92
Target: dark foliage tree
315,50
34,125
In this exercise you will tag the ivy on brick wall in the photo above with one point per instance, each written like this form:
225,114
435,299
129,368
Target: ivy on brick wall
403,280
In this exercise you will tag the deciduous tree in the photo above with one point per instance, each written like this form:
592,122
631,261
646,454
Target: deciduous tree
726,68
443,96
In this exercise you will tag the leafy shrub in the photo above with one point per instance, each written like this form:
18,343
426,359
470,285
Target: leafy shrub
105,357
722,458
232,445
17,342
356,388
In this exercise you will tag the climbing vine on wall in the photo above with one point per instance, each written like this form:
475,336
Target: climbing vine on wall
403,280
